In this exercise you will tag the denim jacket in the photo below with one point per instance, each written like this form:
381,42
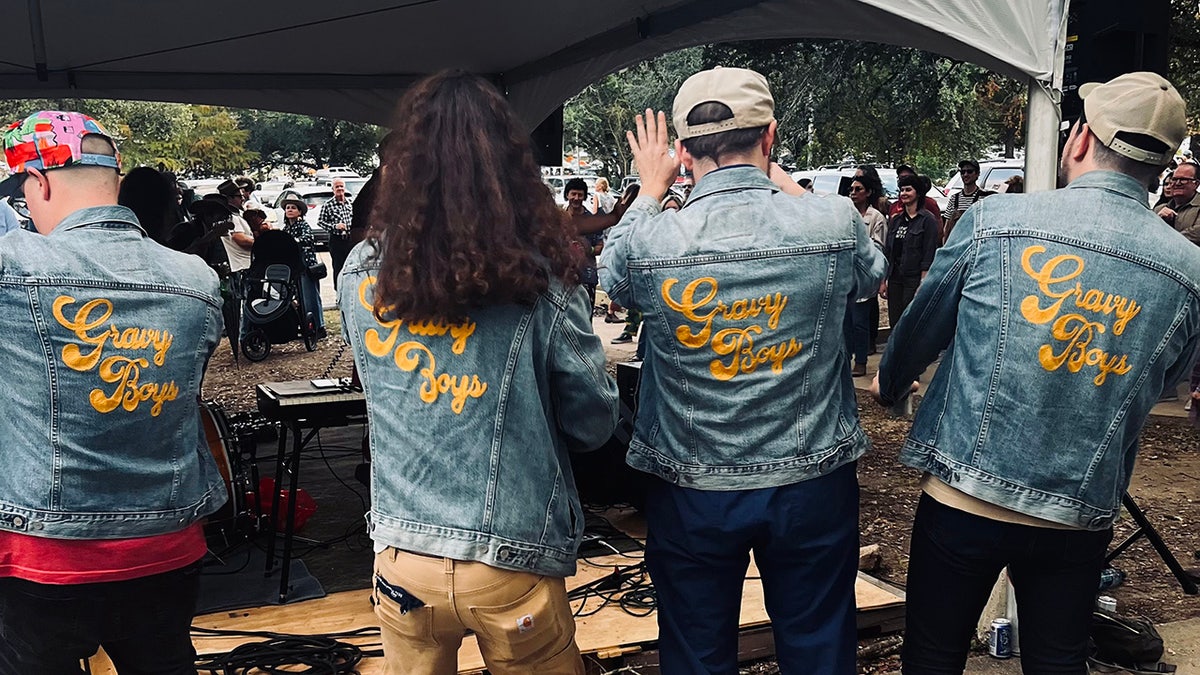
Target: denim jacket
471,424
108,334
1063,316
746,380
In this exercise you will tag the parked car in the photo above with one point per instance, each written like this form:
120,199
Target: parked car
314,196
267,192
204,186
328,174
992,175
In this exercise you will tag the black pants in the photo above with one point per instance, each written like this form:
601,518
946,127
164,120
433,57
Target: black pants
339,250
142,624
955,559
900,294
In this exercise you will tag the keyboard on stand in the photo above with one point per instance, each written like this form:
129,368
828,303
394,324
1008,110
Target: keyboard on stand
303,400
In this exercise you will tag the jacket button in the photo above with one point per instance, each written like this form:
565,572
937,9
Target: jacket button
19,521
36,525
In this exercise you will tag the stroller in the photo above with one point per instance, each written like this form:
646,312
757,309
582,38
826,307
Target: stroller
273,307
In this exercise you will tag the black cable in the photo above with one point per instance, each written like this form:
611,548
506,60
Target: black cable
322,653
627,587
321,446
319,656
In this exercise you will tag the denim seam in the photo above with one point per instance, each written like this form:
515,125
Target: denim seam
74,282
56,482
985,418
489,502
979,473
1012,233
787,252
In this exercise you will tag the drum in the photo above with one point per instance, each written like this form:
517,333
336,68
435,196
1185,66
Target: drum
223,446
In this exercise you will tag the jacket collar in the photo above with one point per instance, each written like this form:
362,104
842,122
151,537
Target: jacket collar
1112,181
731,178
109,216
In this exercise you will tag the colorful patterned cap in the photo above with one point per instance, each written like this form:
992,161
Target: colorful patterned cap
50,139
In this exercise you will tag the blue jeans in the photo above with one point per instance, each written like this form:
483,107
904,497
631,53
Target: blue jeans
858,316
955,558
143,624
310,292
805,542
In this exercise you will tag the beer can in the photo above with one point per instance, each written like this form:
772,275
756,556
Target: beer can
1000,639
1107,603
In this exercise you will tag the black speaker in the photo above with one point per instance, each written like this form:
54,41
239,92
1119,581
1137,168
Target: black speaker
547,139
602,476
1106,38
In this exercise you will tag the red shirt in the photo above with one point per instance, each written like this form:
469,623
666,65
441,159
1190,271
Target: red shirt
70,561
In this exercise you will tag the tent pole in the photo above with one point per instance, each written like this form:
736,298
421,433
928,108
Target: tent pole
1042,119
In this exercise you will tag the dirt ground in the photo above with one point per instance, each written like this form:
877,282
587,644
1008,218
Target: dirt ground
1165,484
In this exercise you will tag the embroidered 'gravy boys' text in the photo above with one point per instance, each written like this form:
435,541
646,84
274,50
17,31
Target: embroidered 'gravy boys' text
124,371
408,355
1075,331
736,342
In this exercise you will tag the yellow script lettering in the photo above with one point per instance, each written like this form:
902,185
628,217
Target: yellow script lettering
735,342
1074,331
124,371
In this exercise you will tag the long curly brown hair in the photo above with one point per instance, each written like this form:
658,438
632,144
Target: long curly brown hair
462,219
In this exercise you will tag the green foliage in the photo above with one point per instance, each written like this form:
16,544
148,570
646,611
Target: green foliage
864,101
301,142
199,141
1184,65
596,119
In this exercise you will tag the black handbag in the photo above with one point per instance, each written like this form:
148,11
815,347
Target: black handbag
317,270
1125,644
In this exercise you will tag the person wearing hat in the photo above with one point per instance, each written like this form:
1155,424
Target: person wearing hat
746,421
240,238
247,186
105,483
1063,316
294,224
201,235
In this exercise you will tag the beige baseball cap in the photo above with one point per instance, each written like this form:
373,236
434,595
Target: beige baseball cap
1136,103
744,91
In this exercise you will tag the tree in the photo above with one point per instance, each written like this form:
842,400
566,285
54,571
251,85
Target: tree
834,101
597,118
1184,64
298,141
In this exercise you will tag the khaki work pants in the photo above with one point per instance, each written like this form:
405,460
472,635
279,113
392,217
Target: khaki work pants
522,621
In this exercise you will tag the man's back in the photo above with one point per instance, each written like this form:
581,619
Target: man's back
745,382
1077,307
109,333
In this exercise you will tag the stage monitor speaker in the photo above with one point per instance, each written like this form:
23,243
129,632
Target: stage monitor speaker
547,139
1106,38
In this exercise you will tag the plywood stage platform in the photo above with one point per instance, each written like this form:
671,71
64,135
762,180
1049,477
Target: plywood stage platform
607,634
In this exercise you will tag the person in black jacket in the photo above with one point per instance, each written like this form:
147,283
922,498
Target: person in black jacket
912,239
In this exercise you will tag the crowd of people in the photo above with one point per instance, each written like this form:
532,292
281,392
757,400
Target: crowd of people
474,342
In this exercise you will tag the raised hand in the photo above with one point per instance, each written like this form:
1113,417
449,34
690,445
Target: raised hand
657,169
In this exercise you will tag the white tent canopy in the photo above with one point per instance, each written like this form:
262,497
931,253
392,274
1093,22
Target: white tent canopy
351,60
